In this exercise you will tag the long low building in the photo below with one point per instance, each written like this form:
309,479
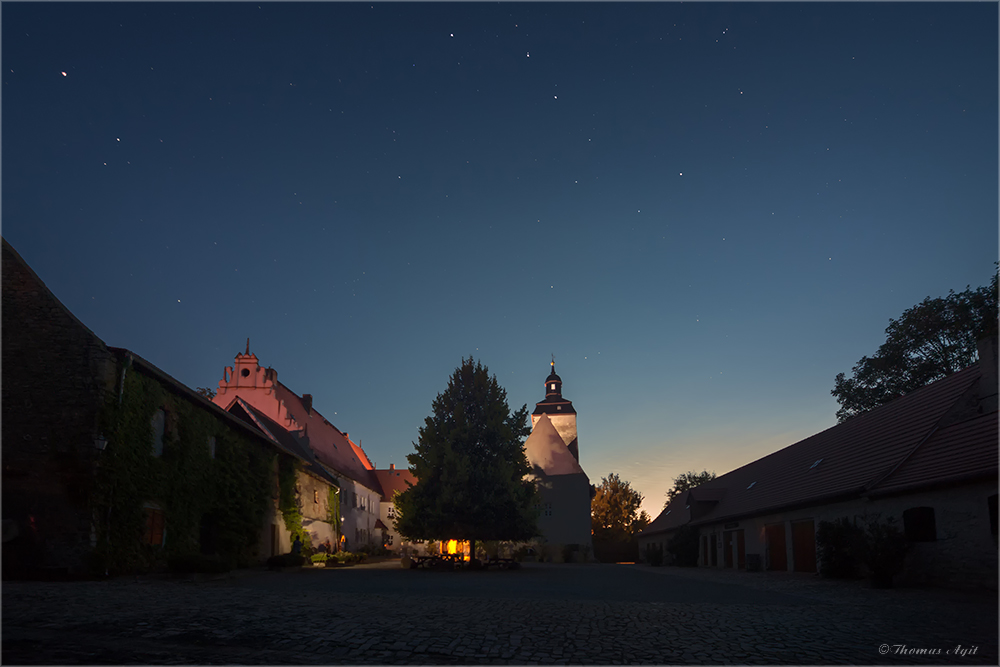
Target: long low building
928,460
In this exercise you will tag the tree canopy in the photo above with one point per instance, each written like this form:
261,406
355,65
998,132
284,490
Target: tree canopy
929,341
470,466
614,511
687,480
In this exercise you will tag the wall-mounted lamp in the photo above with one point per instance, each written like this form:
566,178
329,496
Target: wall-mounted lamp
100,442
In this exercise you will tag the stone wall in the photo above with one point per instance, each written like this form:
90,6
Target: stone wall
56,373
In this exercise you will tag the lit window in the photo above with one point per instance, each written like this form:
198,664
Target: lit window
552,386
316,497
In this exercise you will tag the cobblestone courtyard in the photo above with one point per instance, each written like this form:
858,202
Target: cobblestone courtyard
541,614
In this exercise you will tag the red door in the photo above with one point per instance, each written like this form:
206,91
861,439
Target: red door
804,545
775,534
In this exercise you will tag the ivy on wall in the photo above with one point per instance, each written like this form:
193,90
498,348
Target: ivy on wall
211,505
333,510
289,501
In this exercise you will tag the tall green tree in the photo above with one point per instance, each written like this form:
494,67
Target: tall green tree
931,340
687,480
470,466
614,511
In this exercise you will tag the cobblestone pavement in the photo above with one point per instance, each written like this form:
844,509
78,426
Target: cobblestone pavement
541,614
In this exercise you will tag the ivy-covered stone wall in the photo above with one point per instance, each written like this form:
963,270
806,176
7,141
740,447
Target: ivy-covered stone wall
212,505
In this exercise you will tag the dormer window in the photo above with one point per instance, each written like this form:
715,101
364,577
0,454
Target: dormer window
818,461
751,485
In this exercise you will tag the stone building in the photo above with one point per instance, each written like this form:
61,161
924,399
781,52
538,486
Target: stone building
928,460
108,462
563,487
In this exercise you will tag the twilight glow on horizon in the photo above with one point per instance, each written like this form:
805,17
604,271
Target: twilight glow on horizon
704,211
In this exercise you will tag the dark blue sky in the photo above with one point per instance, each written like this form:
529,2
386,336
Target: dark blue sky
705,211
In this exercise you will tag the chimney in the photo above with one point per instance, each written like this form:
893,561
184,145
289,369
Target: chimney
392,466
307,400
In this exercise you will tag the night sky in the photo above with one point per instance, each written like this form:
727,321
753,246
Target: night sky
704,211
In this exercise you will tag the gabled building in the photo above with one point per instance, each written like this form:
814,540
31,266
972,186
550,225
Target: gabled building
109,463
928,459
246,383
563,487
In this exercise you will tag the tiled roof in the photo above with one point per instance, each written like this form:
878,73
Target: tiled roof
291,443
848,459
546,450
331,445
394,480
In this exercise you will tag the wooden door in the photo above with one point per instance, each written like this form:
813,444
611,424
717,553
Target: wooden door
804,545
741,550
775,535
727,546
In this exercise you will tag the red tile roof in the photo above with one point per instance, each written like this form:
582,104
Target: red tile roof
892,446
394,480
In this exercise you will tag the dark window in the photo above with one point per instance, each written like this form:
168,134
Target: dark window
245,372
918,524
158,424
992,502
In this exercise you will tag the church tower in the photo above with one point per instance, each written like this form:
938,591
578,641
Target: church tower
559,411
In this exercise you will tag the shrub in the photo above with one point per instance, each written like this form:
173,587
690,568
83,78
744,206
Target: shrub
841,547
318,557
683,546
884,550
568,550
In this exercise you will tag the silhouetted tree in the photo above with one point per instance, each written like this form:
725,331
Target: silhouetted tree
687,480
931,340
470,466
206,392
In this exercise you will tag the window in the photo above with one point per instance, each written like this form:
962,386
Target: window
388,540
391,512
315,497
918,524
158,423
354,500
552,386
211,446
155,532
548,509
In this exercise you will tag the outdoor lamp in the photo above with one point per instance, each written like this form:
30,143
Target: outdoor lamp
100,442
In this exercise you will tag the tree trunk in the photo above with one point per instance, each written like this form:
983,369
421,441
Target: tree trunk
472,550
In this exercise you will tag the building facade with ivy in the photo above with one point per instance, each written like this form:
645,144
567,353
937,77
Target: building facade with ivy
291,416
112,466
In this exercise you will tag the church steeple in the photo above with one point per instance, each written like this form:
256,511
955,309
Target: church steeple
553,384
559,410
